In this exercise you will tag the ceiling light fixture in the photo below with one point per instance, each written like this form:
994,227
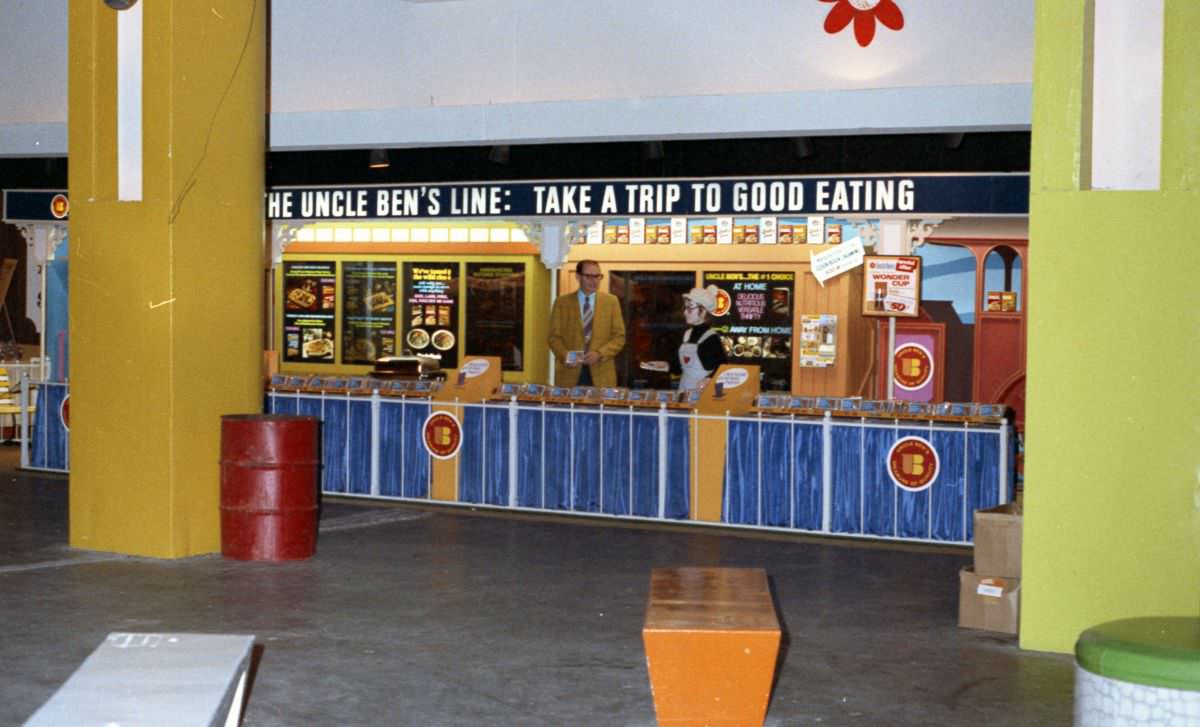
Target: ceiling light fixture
500,154
379,159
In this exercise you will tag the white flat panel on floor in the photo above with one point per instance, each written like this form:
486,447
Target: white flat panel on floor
136,680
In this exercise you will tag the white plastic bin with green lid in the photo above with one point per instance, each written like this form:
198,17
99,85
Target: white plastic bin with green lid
1139,671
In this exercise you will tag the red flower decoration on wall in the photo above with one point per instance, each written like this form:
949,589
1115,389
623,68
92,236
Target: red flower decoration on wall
864,13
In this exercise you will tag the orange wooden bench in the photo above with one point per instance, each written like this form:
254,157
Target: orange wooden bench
711,638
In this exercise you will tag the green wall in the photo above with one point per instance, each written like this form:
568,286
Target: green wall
1112,470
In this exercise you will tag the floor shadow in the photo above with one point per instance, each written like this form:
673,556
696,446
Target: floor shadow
784,639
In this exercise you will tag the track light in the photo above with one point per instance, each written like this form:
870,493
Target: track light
953,140
500,154
379,159
803,147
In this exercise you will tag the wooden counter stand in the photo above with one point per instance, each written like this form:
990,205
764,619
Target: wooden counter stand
711,638
482,377
709,436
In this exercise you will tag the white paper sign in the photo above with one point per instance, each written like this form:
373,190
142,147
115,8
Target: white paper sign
678,230
767,235
816,230
987,589
637,230
836,260
475,367
733,378
595,233
724,230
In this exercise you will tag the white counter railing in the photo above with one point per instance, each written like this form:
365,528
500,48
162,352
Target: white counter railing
797,474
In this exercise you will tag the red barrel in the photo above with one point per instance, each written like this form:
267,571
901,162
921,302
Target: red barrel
268,486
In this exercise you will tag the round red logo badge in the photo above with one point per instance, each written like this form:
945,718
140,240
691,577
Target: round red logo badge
442,435
913,366
913,463
723,303
59,206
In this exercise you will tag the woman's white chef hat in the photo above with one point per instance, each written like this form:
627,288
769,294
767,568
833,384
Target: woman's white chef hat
706,298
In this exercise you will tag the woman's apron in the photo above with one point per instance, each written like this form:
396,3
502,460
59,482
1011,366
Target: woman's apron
693,374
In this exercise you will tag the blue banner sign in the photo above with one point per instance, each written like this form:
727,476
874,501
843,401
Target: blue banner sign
891,195
35,205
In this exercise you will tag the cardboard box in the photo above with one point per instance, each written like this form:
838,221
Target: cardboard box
998,541
988,603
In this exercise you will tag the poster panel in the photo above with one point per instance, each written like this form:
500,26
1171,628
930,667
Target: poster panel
818,340
754,319
309,299
368,311
431,311
891,285
496,312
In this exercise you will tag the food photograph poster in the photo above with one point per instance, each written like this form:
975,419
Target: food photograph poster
496,312
431,314
368,311
309,300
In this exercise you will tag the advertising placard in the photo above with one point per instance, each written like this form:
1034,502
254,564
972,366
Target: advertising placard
368,311
431,315
496,312
309,299
754,319
891,285
818,340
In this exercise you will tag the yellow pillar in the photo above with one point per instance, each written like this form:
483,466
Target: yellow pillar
166,292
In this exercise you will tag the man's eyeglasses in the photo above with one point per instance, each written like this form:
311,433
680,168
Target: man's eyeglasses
591,276
690,306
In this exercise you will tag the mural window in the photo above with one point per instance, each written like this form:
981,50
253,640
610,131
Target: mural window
948,275
1002,281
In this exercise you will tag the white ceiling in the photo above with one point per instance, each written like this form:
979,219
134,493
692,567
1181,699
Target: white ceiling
360,73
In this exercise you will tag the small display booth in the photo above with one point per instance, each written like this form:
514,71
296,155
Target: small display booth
41,217
792,432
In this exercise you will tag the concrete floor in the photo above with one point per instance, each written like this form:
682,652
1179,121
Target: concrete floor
415,617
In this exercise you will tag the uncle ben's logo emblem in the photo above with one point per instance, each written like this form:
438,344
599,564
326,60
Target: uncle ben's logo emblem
442,434
913,464
913,366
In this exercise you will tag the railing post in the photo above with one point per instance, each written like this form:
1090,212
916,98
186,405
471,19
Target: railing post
827,473
512,453
600,424
759,450
662,461
571,463
23,422
1003,463
375,404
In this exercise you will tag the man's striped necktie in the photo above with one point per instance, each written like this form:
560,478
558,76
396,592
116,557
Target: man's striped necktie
588,314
